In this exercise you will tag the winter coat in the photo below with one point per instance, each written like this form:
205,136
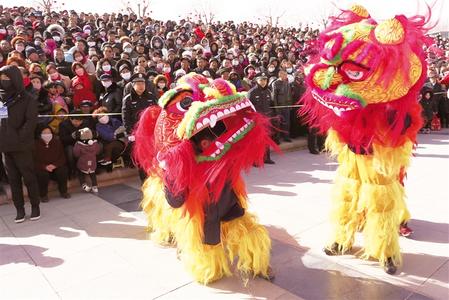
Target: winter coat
112,99
66,130
281,93
86,93
87,156
44,154
17,130
261,99
132,107
106,132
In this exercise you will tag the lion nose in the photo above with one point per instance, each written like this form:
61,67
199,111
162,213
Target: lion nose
327,78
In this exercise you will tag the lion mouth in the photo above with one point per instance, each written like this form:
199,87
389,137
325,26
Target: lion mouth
223,126
338,104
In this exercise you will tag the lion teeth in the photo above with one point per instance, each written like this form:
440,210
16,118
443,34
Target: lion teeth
219,145
213,121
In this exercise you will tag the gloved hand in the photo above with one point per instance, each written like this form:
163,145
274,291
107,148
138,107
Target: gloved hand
131,138
76,135
120,132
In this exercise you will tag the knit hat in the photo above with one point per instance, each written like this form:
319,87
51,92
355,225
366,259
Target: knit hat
85,134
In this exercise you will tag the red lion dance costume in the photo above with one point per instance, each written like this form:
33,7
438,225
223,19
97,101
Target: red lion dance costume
194,147
363,90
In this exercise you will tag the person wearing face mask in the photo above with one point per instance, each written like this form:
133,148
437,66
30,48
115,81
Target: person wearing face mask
18,119
111,134
111,98
50,162
82,86
54,75
128,48
237,67
104,66
161,85
125,75
19,45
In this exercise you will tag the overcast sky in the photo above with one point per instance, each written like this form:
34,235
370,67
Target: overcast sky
292,11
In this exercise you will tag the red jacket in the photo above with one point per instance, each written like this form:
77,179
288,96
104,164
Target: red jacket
86,93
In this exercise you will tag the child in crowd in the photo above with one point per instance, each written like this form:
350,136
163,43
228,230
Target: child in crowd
427,110
86,150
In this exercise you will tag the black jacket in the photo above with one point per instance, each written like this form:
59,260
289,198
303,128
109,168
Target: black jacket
66,130
261,99
281,93
17,130
133,105
112,99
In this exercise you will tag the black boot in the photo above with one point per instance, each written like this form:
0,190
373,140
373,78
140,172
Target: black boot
389,267
35,213
334,249
20,217
268,159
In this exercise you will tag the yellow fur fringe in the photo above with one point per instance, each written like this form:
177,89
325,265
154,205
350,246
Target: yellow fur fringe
242,238
368,196
161,216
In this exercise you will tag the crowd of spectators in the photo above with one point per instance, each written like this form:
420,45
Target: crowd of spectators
434,95
92,74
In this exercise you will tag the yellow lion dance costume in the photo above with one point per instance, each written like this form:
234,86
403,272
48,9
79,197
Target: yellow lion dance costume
194,147
362,90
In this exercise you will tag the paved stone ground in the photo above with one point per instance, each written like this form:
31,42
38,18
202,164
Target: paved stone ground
92,247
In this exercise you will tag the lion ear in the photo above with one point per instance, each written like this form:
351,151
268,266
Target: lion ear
390,32
360,11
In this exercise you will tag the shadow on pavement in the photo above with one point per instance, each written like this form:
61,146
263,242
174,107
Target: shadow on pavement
21,254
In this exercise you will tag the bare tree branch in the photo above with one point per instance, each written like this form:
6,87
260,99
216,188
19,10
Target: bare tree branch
139,9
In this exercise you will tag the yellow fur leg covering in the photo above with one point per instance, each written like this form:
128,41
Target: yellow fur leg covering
160,215
206,263
249,241
382,221
367,194
344,213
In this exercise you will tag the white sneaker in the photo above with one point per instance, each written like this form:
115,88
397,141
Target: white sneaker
95,190
86,188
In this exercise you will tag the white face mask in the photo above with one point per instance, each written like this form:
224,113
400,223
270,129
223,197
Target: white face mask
106,84
166,70
128,50
91,44
289,70
46,137
106,68
270,70
235,62
20,48
126,75
37,43
57,38
87,31
104,120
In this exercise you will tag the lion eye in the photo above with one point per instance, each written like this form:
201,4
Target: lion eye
184,104
354,71
355,75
